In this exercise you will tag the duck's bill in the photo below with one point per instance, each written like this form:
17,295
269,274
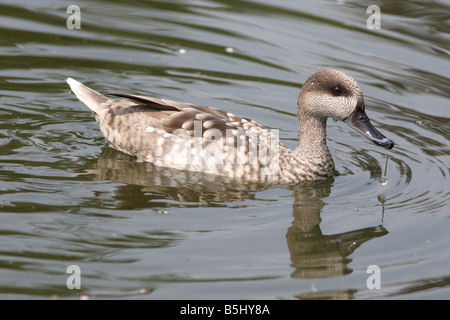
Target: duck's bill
359,121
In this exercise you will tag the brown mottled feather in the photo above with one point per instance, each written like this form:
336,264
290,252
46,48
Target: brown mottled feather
176,115
149,128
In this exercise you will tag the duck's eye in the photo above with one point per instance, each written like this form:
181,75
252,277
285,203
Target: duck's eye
337,90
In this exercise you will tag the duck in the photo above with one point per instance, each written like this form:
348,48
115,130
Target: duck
187,136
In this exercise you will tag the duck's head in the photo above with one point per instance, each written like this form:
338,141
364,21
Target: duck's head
331,93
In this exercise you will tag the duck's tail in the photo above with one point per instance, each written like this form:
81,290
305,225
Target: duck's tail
89,97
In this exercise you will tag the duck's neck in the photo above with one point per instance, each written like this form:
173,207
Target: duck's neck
312,137
311,159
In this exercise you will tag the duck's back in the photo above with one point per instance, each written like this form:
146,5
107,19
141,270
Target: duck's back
186,136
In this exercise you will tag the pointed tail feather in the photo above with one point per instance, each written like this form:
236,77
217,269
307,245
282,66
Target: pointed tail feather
89,97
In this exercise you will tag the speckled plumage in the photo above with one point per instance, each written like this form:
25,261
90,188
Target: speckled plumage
198,138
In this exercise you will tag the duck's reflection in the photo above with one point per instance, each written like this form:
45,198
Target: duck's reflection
313,254
145,182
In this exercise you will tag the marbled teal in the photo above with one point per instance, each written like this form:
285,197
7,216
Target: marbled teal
192,137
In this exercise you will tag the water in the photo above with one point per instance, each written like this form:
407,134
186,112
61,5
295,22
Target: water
136,231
